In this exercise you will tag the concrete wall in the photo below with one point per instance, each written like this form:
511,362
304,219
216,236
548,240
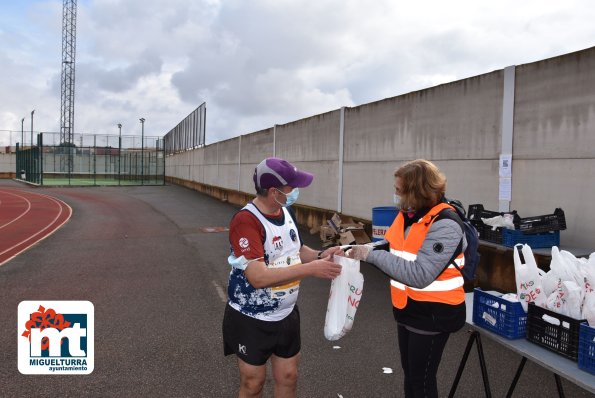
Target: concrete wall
7,165
457,125
228,170
554,141
255,147
312,144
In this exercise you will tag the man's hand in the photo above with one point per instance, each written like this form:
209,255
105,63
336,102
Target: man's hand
359,252
324,268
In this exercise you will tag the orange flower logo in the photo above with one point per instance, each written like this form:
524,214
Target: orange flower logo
43,319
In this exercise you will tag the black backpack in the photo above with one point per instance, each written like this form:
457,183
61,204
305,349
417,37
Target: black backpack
471,234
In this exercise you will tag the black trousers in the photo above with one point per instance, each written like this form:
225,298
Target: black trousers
420,358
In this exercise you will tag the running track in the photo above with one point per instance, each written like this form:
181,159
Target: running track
26,218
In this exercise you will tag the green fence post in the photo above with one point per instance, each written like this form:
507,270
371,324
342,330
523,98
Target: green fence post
17,163
95,160
40,145
119,159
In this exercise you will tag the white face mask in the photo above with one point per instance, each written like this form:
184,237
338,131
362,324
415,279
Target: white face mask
396,200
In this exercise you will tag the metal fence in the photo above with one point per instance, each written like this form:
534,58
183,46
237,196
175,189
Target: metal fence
9,139
92,160
189,133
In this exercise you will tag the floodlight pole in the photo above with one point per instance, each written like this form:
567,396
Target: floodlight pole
142,150
22,131
119,153
32,112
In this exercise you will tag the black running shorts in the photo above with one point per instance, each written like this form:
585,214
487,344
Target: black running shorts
254,341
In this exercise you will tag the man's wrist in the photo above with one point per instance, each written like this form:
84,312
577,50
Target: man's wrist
319,255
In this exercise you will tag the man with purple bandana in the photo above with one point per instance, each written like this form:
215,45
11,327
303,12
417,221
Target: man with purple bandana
268,260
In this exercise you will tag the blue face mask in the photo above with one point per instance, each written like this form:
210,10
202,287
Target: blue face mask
292,197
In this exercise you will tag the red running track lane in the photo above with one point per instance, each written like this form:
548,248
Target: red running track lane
26,218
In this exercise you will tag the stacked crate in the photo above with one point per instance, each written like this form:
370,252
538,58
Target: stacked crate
537,232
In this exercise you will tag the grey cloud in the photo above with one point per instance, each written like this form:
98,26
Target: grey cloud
92,75
256,53
210,67
261,62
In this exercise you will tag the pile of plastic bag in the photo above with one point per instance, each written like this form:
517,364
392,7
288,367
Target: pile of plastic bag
569,285
568,288
504,221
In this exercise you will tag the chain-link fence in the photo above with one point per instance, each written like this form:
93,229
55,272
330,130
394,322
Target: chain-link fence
10,138
92,160
189,133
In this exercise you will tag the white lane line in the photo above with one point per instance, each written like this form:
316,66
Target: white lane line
220,292
37,233
26,211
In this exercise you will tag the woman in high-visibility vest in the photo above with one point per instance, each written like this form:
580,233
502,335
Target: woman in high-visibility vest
426,290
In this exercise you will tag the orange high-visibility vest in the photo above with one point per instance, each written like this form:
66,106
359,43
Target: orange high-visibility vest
447,288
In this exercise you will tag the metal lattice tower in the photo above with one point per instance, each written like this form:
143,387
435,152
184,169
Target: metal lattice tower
67,87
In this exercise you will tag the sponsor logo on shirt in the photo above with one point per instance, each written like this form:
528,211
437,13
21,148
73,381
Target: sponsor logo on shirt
277,243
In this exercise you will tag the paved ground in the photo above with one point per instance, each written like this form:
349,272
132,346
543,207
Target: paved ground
157,283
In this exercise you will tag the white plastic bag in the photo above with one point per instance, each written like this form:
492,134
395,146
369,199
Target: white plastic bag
588,310
505,221
550,282
528,281
345,295
573,284
566,265
566,300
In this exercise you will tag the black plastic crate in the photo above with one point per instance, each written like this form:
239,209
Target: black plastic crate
477,212
545,223
562,337
486,233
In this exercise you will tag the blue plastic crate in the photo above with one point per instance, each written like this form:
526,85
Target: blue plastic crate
500,316
511,237
586,348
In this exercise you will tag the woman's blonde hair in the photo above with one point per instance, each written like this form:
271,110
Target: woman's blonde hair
423,184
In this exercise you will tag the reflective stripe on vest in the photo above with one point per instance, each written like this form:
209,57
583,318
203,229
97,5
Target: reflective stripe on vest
448,286
412,257
436,286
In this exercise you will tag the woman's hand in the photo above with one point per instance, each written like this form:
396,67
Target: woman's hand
332,251
359,252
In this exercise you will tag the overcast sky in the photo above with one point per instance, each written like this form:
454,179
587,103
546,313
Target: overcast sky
257,63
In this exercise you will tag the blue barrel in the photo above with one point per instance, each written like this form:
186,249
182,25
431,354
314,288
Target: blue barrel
382,218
